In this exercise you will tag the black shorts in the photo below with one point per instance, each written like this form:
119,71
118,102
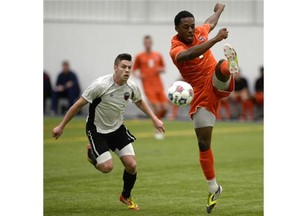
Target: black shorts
114,141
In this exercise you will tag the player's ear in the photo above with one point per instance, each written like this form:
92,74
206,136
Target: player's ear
176,28
115,68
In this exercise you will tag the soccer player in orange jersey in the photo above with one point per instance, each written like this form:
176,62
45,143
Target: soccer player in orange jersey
211,80
148,67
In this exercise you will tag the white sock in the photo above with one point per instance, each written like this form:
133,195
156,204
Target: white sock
212,185
220,84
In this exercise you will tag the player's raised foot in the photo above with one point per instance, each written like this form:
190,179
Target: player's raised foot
212,198
231,56
90,157
130,202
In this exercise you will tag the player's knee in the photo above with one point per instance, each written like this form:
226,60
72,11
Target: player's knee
204,145
105,167
131,167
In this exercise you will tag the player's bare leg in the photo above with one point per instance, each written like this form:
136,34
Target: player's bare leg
225,69
105,167
206,158
129,179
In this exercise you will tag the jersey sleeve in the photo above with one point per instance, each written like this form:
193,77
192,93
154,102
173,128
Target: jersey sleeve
93,91
137,95
136,92
204,28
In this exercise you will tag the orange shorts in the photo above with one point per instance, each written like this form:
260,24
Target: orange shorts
209,97
157,96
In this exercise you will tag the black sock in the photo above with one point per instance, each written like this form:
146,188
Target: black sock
129,181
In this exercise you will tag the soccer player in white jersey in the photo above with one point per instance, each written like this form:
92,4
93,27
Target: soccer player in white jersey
108,97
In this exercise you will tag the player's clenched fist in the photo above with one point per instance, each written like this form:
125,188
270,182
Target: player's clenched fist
56,132
219,6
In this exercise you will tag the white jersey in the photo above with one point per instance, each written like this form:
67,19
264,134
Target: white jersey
108,102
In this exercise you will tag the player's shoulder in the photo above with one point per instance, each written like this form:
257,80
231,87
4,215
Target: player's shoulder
175,38
157,53
203,28
131,83
103,81
176,43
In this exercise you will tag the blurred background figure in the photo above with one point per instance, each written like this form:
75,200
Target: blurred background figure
47,89
67,86
241,100
148,66
259,95
224,111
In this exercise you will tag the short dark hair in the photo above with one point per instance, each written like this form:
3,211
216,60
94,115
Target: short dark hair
65,62
123,56
180,15
147,37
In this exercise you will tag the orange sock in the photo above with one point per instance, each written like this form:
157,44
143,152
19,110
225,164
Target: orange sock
207,164
224,68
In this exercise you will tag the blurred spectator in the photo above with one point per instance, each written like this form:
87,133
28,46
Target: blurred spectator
241,99
148,66
224,110
67,86
47,89
259,94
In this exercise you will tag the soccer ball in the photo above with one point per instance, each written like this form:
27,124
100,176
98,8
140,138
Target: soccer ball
180,93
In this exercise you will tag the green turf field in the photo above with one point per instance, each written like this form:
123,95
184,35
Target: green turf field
170,181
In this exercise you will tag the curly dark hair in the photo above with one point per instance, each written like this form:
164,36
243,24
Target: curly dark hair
180,15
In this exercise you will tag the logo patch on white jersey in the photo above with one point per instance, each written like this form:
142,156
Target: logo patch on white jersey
126,95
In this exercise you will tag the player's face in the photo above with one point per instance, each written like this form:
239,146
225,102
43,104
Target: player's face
186,29
65,67
123,71
148,44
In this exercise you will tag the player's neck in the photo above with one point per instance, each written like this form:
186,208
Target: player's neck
148,51
118,81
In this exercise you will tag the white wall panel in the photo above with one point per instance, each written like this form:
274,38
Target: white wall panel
141,11
92,46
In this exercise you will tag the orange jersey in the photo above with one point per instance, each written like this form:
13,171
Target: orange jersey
199,71
149,64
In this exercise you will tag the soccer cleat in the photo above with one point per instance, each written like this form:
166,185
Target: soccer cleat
90,156
212,198
231,56
130,202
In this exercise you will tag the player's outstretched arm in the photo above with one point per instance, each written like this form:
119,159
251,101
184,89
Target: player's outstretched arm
196,51
213,20
158,124
73,110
